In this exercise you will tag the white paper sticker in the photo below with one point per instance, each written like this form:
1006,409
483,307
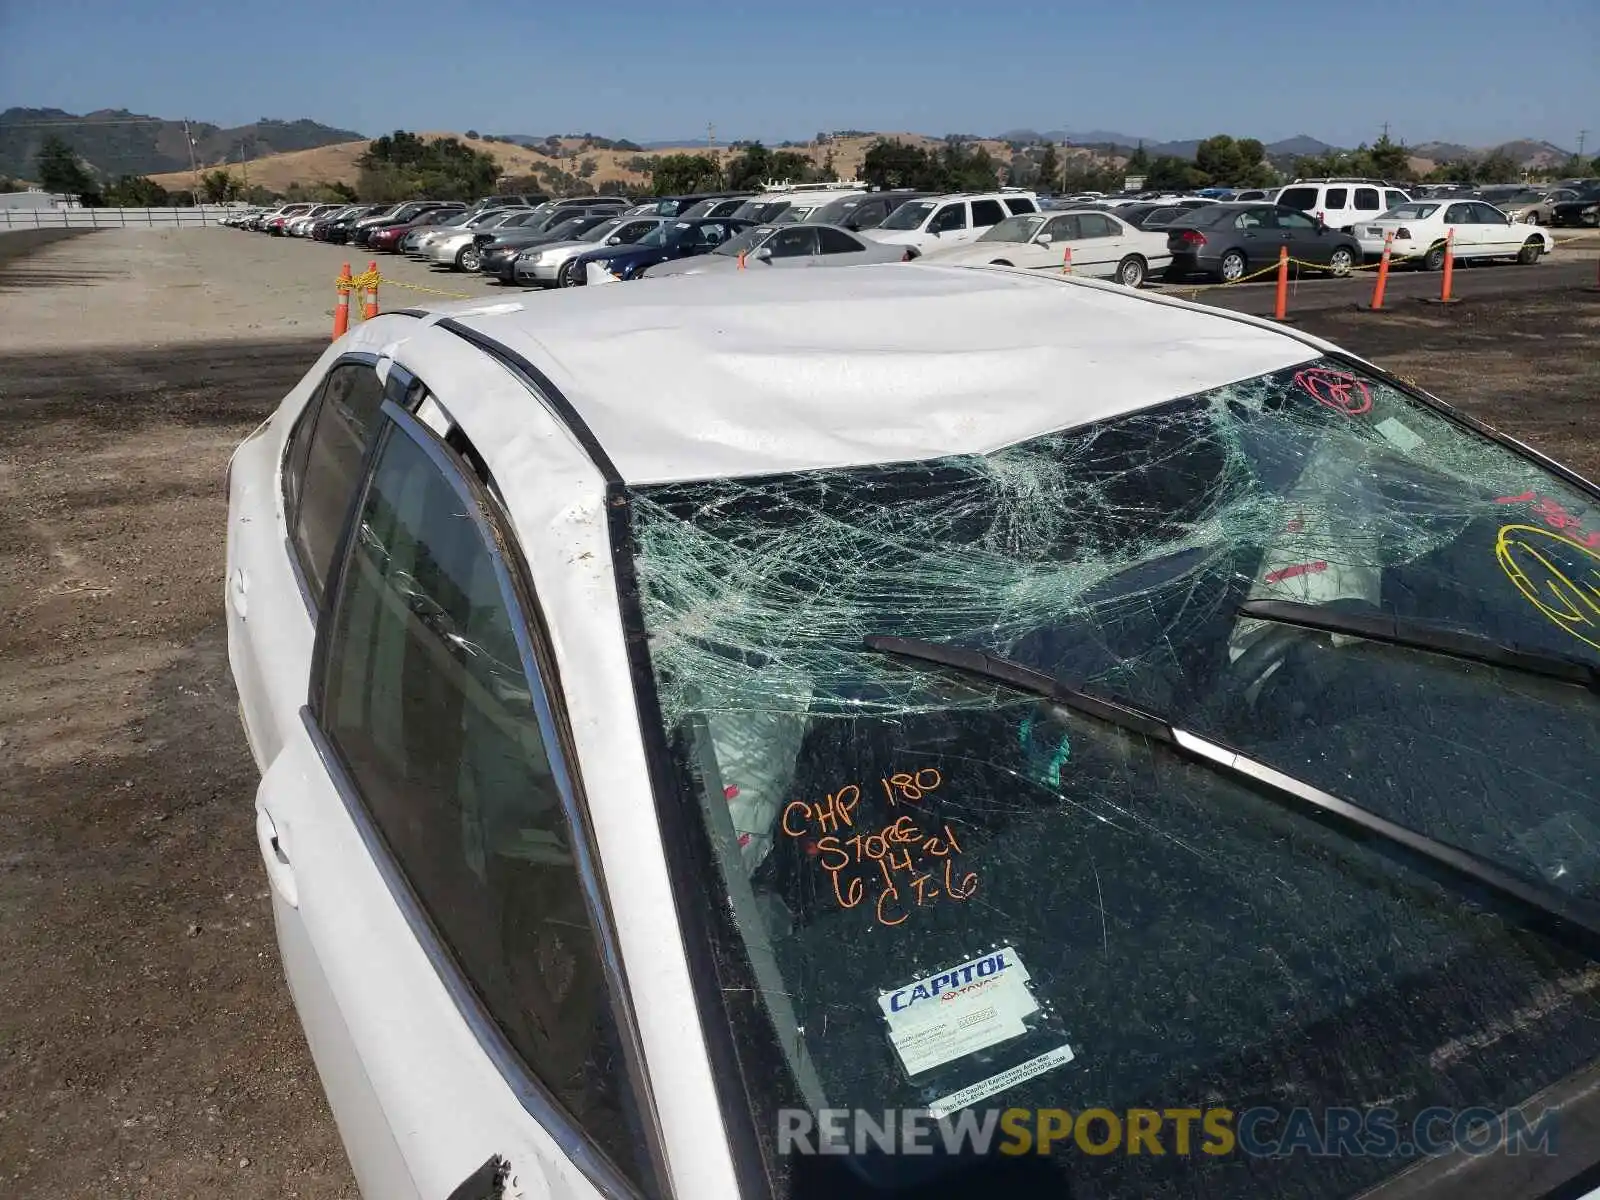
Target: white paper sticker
1399,435
969,1007
995,1084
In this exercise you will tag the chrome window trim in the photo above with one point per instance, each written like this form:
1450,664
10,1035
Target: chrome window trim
493,528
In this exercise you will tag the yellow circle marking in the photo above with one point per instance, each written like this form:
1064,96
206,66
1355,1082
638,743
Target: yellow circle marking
1567,593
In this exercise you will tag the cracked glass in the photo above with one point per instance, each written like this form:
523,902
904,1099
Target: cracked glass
1172,938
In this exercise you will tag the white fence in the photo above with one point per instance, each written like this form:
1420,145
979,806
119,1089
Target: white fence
109,218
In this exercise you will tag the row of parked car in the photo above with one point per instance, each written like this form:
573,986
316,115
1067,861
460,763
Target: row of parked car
1330,224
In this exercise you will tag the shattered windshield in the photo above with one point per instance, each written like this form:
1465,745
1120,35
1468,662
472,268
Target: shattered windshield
1173,939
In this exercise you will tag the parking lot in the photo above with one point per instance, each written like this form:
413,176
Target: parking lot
148,1047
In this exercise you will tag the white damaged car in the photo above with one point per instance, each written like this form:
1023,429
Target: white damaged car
814,739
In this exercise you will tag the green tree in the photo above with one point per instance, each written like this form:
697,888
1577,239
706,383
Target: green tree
1169,173
218,187
1139,160
893,164
8,184
748,169
677,173
587,167
1390,160
136,191
60,171
403,166
1498,167
1049,168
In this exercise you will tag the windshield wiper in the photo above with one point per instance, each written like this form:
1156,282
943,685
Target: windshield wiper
1421,635
1572,920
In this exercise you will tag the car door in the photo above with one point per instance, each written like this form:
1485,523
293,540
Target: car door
1040,255
437,904
1307,242
1099,247
951,225
1468,239
1259,233
1496,234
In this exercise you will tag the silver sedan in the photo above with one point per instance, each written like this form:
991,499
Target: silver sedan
764,246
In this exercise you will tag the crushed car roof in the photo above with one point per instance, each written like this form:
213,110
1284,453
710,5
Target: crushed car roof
694,377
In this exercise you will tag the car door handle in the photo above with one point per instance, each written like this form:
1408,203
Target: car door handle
280,874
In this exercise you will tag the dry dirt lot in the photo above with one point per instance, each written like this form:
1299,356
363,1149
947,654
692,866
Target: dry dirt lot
147,1044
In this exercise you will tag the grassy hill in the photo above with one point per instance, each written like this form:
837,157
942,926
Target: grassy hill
337,163
118,142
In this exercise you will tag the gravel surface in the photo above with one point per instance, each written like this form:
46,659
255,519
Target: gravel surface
148,1047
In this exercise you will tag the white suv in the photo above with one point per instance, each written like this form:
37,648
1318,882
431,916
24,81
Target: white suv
950,220
1342,202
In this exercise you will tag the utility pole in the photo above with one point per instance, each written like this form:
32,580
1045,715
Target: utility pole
1386,131
194,166
1583,136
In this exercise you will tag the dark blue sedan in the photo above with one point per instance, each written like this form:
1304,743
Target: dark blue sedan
673,240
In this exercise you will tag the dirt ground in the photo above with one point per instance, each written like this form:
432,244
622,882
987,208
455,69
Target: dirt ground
147,1044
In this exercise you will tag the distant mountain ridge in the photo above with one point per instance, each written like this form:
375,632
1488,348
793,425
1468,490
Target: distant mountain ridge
118,142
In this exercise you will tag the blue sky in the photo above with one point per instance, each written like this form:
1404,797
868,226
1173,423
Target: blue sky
1472,71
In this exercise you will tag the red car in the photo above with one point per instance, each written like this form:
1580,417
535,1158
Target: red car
387,237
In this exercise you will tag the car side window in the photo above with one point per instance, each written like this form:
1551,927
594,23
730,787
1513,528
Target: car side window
1248,220
987,212
443,729
1063,229
835,242
323,466
1289,219
1393,200
1367,199
950,217
1458,214
1337,198
1096,225
1017,205
1487,214
792,241
633,231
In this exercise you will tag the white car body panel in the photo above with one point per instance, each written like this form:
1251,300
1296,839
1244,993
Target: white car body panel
924,240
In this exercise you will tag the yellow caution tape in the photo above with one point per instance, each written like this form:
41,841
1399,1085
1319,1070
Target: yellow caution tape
371,279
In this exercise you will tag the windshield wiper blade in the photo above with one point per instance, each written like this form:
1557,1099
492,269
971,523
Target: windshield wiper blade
1573,920
1421,635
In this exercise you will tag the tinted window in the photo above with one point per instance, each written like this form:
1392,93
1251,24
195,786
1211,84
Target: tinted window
987,212
1020,204
1459,214
1298,221
1485,214
1393,199
1063,229
950,217
835,242
792,241
1303,198
1367,199
1337,197
1250,220
1096,225
429,705
324,465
